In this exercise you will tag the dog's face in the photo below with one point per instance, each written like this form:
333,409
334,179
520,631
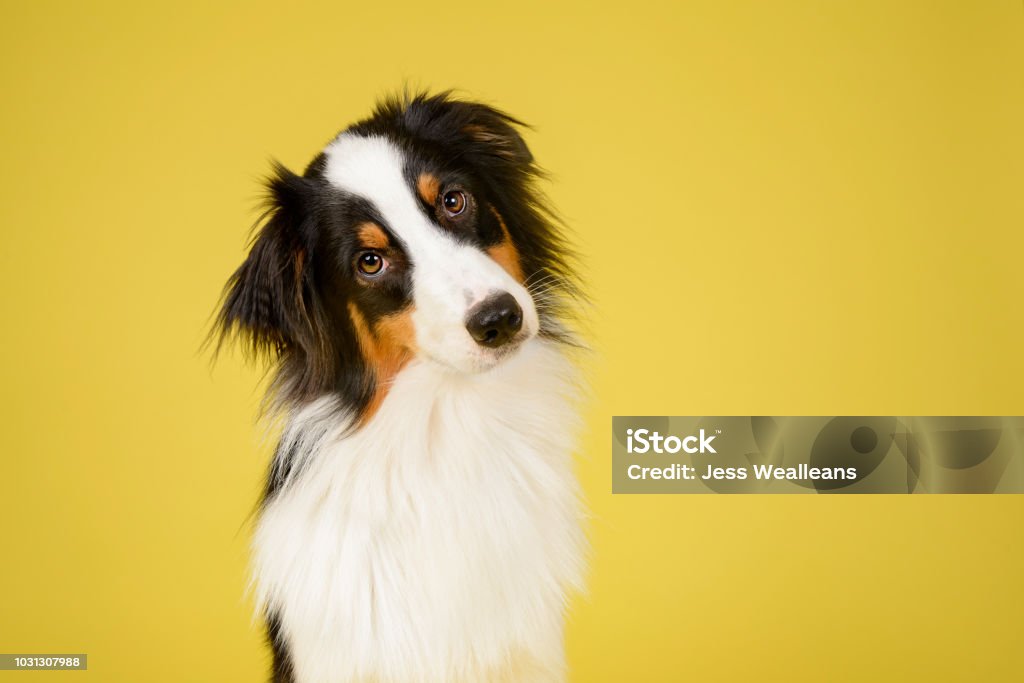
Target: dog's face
416,233
423,255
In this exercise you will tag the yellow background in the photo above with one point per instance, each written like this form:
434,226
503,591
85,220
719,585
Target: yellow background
785,208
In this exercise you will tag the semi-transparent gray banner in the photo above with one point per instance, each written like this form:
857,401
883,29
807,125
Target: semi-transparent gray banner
817,455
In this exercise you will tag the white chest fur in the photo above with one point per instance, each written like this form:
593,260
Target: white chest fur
438,542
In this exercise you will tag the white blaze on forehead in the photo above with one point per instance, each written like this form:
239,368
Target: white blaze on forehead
448,277
373,168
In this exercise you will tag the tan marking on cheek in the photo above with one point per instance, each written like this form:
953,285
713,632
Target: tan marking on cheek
386,348
428,186
505,254
396,331
372,236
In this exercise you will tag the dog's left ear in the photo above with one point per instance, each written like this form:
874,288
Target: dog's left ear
493,133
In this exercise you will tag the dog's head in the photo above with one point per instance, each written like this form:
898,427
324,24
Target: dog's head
416,233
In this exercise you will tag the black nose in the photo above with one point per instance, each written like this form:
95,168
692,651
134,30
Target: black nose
495,320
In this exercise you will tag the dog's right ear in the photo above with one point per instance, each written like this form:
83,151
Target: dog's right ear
267,302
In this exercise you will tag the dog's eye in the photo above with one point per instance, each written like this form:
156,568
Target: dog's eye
454,202
371,264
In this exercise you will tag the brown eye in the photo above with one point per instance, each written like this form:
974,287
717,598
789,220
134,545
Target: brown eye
454,202
370,264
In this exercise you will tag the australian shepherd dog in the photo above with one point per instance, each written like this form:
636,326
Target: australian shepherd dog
421,522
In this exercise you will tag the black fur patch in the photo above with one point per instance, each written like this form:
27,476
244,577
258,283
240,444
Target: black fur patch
281,671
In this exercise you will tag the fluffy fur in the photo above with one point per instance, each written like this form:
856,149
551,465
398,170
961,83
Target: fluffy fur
421,521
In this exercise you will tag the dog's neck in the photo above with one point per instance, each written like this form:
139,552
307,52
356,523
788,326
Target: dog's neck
458,490
530,396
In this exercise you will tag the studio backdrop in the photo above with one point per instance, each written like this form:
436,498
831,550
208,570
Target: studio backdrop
786,209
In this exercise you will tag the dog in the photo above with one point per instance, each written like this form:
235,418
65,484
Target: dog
421,521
